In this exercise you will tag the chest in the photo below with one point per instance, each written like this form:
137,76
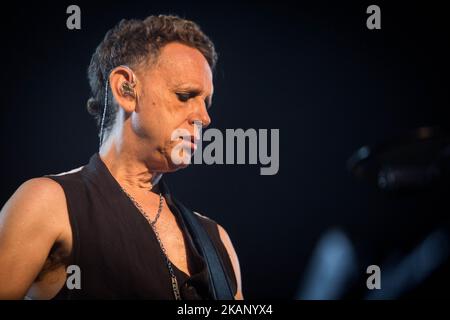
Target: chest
173,239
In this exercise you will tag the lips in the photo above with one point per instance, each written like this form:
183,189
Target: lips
190,141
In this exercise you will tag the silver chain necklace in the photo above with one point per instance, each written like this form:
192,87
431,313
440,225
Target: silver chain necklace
175,287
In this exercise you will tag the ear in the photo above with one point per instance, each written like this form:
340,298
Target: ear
123,87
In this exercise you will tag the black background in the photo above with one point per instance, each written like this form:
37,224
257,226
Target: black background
312,70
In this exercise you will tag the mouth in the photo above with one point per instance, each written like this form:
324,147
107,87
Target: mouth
189,141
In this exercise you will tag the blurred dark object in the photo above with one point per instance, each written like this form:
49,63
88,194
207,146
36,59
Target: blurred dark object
406,233
404,276
412,173
414,161
331,269
334,269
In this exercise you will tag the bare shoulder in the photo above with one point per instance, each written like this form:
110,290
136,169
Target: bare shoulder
38,207
34,198
231,253
31,221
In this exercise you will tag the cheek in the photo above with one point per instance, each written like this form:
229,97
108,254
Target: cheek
159,114
153,121
145,120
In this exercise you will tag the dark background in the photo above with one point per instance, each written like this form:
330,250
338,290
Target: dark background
312,70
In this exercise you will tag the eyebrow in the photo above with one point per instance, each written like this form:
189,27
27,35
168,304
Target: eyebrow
185,86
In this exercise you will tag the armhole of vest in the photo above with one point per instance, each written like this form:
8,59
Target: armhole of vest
74,255
229,259
224,248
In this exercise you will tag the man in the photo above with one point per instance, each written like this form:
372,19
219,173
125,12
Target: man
114,218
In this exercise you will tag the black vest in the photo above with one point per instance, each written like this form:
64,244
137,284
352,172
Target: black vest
116,248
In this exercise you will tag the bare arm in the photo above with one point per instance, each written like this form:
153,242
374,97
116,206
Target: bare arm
30,223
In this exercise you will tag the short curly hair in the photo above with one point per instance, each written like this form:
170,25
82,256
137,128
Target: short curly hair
135,43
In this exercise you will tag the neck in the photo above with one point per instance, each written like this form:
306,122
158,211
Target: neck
127,166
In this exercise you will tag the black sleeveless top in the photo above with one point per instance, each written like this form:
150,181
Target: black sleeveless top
116,248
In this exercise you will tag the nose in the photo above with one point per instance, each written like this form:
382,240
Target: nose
201,115
205,119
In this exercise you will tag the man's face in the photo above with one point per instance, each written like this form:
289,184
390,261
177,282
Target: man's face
175,92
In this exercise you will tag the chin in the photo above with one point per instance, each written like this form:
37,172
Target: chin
175,167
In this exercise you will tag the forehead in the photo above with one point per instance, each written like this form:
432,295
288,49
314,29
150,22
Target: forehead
179,65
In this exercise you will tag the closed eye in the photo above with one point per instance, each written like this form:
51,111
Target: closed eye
185,96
